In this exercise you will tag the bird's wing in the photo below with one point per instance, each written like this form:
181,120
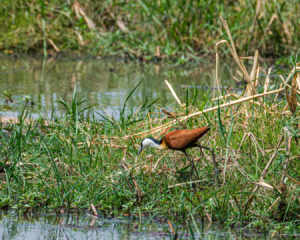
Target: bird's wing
182,139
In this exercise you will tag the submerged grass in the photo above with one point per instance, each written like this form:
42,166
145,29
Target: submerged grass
70,162
148,30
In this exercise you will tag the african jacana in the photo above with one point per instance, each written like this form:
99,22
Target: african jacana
180,140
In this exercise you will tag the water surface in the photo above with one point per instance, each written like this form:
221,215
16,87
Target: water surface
16,226
106,83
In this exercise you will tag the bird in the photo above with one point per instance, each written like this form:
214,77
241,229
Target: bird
180,140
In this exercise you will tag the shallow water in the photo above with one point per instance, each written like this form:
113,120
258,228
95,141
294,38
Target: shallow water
106,83
16,226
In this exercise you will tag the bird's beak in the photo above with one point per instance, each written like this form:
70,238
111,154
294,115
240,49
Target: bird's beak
139,151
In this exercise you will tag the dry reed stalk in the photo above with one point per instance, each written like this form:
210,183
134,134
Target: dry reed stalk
298,81
161,127
291,98
80,38
281,85
287,139
274,16
251,136
235,79
272,205
121,24
79,11
256,144
111,118
137,111
156,164
217,66
185,183
287,33
251,90
273,234
239,72
171,116
267,82
139,192
138,165
238,61
53,45
243,58
257,76
264,173
289,76
207,215
276,105
262,183
258,6
94,209
118,20
135,129
173,92
171,227
295,181
164,131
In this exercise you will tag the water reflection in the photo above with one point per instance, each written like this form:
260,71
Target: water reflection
103,82
83,226
48,226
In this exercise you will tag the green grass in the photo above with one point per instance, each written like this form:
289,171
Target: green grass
148,30
70,161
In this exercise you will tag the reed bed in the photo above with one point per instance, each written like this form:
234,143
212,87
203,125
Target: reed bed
72,163
147,30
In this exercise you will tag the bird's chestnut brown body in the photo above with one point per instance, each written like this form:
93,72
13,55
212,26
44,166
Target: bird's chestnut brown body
184,139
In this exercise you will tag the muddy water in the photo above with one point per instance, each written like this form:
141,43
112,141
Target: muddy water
16,226
106,83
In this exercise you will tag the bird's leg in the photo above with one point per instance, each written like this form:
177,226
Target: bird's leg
192,166
214,160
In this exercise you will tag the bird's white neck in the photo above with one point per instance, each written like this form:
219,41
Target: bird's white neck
152,143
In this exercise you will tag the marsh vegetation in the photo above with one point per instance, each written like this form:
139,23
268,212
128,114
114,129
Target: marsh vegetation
70,161
148,30
74,162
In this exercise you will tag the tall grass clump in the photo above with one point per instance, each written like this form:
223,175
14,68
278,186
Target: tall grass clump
147,30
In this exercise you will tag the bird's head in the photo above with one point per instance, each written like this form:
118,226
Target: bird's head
149,143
